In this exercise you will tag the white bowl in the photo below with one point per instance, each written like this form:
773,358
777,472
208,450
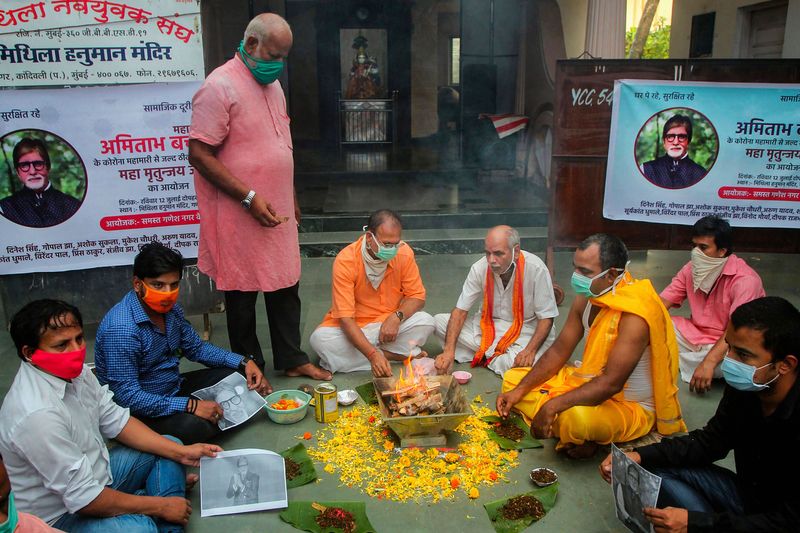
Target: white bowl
462,377
346,397
543,469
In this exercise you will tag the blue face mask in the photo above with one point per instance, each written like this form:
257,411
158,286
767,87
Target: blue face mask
265,72
11,524
740,375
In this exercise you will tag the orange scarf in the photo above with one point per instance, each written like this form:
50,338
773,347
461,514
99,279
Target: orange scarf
487,323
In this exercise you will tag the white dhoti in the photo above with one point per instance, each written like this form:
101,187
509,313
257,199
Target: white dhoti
337,354
469,341
691,355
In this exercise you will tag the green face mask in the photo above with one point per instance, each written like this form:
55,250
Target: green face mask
265,72
11,524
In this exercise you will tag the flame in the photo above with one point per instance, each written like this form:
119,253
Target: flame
409,378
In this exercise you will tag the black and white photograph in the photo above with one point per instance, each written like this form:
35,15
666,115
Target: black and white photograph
238,403
241,481
634,489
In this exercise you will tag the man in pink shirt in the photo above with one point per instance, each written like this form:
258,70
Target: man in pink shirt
715,282
241,146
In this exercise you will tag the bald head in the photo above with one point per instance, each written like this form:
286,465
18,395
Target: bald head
503,233
268,36
500,247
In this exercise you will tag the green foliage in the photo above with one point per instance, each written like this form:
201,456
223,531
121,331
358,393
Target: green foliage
67,172
657,44
703,148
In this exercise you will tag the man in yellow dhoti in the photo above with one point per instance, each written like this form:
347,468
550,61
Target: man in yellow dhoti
626,384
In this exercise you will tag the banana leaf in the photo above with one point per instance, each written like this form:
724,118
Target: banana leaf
303,517
367,393
546,495
507,444
307,473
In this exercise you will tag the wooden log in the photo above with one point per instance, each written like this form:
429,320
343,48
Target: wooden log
430,386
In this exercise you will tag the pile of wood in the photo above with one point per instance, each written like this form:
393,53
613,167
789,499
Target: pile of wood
415,400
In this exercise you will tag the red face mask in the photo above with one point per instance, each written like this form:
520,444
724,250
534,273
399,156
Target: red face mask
159,301
66,365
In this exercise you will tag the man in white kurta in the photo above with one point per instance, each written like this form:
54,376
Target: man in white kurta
462,335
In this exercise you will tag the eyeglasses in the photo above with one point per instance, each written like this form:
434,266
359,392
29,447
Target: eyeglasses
25,166
389,246
682,137
236,400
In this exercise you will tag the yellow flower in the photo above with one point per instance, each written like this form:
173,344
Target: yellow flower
361,454
473,493
477,399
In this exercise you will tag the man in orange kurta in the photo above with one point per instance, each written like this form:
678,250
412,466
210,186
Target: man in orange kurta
376,313
625,386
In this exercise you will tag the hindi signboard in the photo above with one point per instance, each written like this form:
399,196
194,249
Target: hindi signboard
681,150
94,178
99,42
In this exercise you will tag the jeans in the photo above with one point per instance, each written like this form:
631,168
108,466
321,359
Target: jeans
708,489
139,473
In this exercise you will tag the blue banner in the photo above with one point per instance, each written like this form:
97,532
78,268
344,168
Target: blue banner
681,150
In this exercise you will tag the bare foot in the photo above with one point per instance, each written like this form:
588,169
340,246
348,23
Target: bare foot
391,356
310,370
581,451
265,387
191,481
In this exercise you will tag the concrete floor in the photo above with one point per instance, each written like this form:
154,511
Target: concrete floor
585,501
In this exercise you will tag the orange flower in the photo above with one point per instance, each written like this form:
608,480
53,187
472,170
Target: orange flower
307,436
454,482
493,476
372,420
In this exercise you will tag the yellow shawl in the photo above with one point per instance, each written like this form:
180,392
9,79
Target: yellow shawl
638,297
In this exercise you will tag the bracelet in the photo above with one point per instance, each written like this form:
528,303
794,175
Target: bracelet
374,350
191,405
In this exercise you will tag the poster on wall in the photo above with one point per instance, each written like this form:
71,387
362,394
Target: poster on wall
681,150
83,185
99,42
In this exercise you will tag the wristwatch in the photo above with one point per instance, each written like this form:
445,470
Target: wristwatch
248,199
399,314
243,363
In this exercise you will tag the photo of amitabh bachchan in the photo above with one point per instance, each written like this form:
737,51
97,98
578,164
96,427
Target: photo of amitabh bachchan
676,169
36,202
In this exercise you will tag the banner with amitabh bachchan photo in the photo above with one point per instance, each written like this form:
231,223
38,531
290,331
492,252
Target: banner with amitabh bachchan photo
88,174
681,150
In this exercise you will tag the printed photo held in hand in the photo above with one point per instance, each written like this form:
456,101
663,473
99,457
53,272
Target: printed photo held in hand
634,490
241,481
238,404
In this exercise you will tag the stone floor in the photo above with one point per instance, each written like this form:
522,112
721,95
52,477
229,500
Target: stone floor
585,501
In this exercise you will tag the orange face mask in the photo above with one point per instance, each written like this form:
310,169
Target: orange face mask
159,301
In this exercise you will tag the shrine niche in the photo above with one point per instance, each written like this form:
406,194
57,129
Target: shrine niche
363,53
365,107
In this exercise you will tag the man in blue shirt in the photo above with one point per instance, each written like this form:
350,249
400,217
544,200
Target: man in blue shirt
139,345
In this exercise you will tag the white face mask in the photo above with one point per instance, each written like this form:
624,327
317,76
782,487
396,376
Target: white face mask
705,270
